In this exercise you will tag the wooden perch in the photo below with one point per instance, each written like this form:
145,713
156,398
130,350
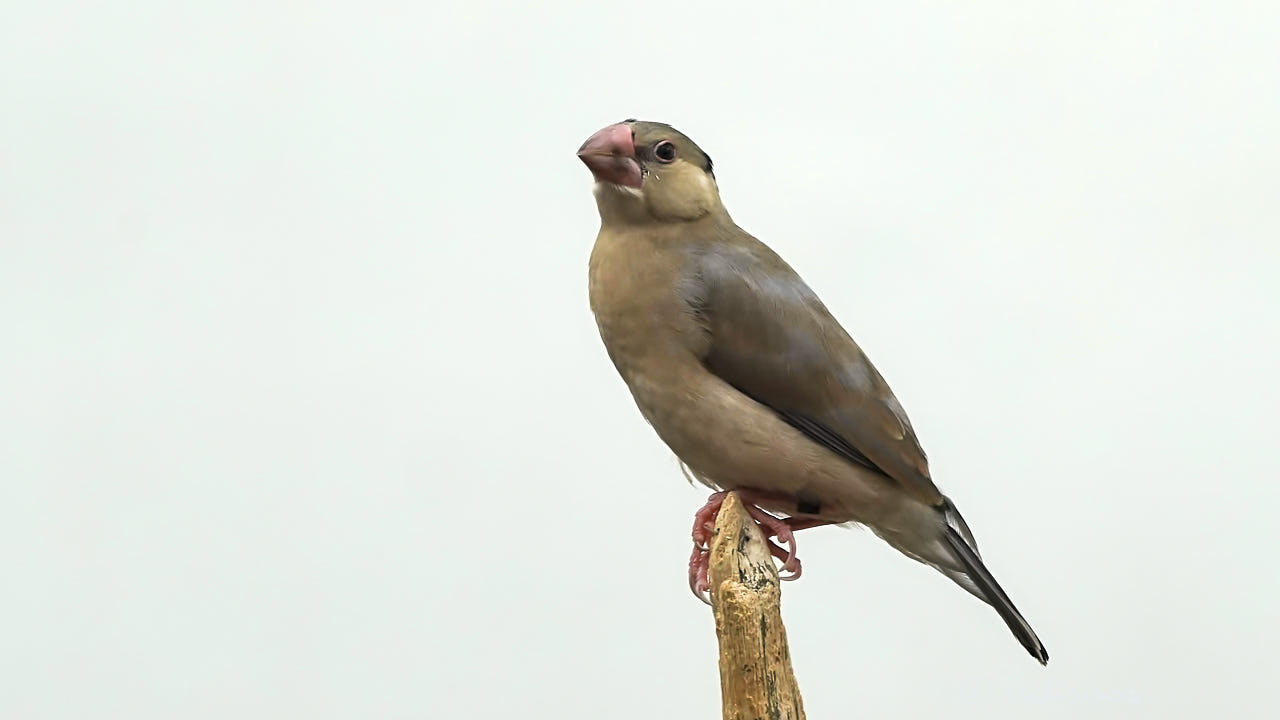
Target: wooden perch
756,682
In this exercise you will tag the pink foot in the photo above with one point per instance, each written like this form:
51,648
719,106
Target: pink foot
704,523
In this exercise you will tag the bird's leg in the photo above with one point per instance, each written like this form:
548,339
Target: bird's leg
704,520
804,523
704,523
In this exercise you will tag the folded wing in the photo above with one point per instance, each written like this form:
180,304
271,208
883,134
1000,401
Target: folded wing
774,340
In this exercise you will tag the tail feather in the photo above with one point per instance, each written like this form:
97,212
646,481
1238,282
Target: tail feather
990,591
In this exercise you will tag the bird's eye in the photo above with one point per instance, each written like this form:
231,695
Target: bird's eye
665,151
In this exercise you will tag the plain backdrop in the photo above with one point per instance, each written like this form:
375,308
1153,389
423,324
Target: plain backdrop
303,413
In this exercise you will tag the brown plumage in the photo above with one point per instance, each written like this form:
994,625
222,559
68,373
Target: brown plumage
743,371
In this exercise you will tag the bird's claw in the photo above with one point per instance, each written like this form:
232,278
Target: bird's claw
699,565
704,524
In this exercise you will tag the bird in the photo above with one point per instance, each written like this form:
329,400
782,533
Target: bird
748,378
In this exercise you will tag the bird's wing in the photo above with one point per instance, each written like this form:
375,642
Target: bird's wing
774,340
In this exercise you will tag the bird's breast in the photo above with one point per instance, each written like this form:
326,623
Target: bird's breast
640,294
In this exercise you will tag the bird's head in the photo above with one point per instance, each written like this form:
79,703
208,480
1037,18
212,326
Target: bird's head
649,172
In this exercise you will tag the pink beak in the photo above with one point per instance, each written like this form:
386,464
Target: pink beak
611,156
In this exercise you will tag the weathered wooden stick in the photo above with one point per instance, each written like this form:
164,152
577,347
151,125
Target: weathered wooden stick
756,682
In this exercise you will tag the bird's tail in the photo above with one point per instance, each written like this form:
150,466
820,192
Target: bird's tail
979,581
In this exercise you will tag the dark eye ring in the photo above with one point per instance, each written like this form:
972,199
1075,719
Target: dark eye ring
665,151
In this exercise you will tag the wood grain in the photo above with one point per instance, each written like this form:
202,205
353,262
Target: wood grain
756,680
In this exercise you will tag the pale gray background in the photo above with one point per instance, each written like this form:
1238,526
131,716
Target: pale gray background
303,413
